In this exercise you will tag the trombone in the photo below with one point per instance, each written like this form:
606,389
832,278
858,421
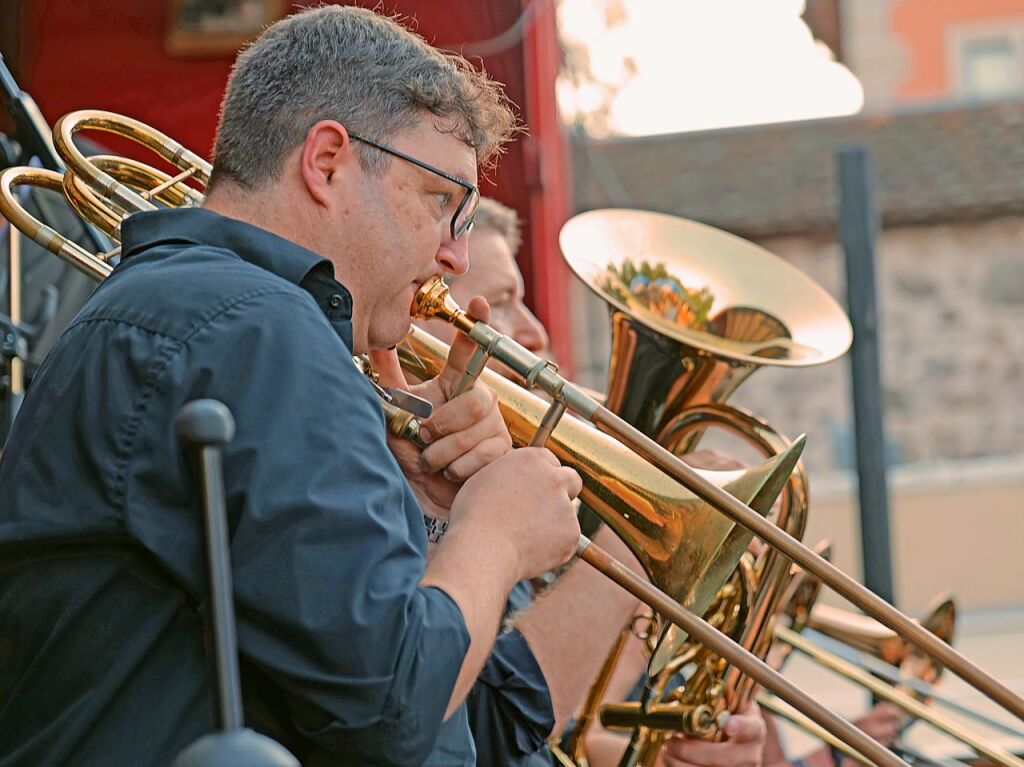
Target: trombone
866,653
432,302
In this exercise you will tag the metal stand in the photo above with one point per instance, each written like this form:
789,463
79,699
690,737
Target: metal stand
206,425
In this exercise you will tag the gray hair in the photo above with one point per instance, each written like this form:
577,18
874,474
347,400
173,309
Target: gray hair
351,65
502,219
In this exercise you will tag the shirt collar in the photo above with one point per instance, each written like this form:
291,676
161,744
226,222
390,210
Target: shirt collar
197,226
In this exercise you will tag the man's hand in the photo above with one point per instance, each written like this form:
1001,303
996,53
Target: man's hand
465,433
743,747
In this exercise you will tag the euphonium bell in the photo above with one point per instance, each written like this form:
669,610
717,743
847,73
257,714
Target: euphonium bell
695,311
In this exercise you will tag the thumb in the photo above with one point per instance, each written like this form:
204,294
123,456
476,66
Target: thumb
462,347
389,370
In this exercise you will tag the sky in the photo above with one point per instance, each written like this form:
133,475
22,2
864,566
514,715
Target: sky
683,65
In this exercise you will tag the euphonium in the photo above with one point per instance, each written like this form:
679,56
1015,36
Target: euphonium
687,330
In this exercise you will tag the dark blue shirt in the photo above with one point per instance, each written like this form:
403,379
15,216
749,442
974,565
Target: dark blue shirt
346,658
509,707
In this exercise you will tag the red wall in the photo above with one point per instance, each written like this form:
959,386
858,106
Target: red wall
109,54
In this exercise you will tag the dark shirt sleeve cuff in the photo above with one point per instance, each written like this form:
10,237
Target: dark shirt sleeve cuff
510,711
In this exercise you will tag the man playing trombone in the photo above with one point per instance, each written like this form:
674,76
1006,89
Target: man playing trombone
345,175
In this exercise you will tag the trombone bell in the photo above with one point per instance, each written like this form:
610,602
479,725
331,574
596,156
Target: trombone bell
685,546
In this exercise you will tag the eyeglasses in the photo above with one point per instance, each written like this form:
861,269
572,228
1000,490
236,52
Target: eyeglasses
462,220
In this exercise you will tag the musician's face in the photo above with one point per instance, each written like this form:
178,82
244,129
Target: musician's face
494,274
404,219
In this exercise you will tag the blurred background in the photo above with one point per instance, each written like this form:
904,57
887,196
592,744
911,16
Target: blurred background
729,112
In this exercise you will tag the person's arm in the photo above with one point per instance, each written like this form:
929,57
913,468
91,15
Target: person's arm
327,541
573,625
504,527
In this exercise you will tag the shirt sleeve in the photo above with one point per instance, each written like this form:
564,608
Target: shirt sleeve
327,541
510,711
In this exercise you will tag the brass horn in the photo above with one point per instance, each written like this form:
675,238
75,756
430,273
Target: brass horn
888,666
867,635
694,311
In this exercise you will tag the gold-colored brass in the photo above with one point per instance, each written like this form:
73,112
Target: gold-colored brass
868,635
675,362
686,548
46,237
124,196
16,366
908,703
786,711
148,182
763,311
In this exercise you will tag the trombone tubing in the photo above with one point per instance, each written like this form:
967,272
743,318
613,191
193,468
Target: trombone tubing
728,649
43,235
787,712
886,692
536,372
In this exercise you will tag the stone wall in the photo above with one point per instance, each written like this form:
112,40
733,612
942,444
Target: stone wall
951,310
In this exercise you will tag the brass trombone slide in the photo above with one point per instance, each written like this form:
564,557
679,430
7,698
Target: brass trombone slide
783,709
893,675
432,302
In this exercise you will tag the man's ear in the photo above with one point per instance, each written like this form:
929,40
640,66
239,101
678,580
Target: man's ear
327,156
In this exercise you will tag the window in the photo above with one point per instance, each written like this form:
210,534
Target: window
988,60
991,68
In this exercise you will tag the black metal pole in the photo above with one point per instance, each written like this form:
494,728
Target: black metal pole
858,228
207,425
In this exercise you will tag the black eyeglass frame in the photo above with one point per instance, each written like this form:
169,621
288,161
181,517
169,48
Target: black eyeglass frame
471,189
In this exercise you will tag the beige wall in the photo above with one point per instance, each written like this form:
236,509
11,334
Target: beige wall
872,52
957,527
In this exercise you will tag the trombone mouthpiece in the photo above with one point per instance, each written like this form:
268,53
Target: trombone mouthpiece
432,302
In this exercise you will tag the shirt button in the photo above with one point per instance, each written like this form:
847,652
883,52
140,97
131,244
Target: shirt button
336,300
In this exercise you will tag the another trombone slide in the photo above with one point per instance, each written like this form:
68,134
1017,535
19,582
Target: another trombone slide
781,708
906,702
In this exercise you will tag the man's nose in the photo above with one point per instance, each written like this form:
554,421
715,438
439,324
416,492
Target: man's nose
528,331
453,256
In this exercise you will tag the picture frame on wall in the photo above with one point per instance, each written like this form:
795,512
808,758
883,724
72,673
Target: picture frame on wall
217,27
